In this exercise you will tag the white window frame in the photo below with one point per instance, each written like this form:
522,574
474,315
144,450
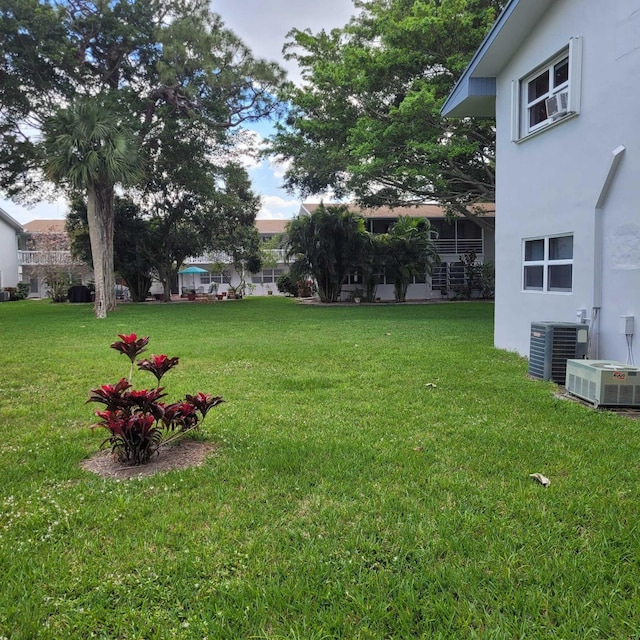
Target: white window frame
520,105
546,263
266,276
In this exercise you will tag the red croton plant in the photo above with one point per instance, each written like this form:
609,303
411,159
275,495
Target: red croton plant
138,422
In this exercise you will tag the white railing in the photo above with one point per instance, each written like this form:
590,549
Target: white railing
458,247
223,258
210,258
39,258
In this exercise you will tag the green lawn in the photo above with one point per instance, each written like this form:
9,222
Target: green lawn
349,497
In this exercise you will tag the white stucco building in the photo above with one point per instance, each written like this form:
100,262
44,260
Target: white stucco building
563,80
9,228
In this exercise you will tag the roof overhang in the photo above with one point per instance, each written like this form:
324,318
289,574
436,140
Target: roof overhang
475,92
10,221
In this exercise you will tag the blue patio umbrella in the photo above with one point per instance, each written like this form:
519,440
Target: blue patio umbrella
192,271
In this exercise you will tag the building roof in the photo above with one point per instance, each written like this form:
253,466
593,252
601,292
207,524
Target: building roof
271,226
45,226
423,211
9,220
58,226
475,92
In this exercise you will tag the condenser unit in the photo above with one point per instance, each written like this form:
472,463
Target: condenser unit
552,344
604,382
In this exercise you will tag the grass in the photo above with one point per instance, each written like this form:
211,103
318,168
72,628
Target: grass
371,482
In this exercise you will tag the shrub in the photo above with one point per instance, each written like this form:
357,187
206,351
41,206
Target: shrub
23,290
286,285
487,280
137,421
305,288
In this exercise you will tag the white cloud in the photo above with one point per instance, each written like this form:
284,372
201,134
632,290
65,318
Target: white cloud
248,146
277,208
264,24
278,167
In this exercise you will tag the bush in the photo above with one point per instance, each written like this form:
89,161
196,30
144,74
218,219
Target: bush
305,288
22,291
286,285
137,421
487,280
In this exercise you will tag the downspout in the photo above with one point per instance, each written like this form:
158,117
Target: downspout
594,326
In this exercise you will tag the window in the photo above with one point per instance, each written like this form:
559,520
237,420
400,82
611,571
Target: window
383,278
548,264
560,76
266,276
553,79
219,278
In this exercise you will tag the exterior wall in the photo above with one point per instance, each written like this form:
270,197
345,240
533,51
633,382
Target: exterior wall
8,256
43,251
550,183
205,282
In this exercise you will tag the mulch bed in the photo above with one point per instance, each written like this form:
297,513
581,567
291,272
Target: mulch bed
179,455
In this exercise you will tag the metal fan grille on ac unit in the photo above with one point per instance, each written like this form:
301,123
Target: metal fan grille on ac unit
552,344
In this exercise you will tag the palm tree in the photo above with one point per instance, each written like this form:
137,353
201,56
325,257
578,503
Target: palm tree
88,149
326,245
410,250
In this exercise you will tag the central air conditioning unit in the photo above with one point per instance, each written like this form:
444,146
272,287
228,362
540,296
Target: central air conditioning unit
552,344
557,105
604,382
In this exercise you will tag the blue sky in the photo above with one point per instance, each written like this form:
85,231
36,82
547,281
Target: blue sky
263,25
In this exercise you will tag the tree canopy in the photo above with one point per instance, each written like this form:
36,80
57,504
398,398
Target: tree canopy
166,72
367,120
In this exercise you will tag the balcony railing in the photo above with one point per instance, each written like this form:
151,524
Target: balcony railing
453,246
210,258
223,258
42,258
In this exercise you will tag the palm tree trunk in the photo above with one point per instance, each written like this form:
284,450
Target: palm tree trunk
100,219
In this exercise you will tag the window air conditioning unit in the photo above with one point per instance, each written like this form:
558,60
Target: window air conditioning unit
557,105
552,344
604,382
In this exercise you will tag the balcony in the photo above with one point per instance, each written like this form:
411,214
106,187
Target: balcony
42,258
454,246
224,258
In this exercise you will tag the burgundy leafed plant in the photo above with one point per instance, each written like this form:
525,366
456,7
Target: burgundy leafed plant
180,415
158,365
131,346
137,421
204,401
110,394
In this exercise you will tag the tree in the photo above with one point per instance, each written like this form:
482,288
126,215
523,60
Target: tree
87,149
409,250
372,263
326,245
200,208
149,64
367,121
131,241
